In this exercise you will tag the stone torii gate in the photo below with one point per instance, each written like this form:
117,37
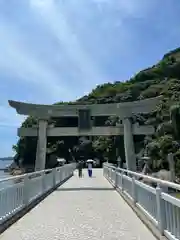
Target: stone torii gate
85,128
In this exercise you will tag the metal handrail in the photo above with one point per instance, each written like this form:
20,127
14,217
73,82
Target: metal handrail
20,191
146,177
161,208
28,174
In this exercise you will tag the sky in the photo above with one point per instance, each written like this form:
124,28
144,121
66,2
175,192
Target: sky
59,50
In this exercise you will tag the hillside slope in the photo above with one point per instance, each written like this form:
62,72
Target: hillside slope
161,79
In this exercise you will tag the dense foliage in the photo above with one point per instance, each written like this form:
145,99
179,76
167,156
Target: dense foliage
161,79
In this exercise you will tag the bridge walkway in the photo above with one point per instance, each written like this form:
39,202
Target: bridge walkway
81,209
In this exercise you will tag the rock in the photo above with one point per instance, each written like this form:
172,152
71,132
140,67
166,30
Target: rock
11,167
19,171
163,175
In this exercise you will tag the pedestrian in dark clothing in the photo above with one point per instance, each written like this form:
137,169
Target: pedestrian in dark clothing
90,164
80,167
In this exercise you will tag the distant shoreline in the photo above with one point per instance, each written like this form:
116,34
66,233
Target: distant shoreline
7,159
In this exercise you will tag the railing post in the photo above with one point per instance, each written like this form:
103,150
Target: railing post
116,178
62,172
43,182
26,190
57,176
112,175
121,180
54,176
134,192
171,166
160,210
60,175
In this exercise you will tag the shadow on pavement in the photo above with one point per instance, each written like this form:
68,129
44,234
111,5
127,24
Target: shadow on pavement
85,189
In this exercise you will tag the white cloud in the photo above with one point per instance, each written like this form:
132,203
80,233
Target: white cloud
16,59
9,118
41,3
129,8
54,16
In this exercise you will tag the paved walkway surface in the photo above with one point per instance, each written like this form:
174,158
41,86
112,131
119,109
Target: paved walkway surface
81,209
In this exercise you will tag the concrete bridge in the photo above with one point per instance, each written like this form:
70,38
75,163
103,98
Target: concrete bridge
56,204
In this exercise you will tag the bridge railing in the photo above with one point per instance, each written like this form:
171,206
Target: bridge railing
20,191
162,209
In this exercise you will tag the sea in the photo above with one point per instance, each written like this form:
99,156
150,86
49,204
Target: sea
3,165
5,175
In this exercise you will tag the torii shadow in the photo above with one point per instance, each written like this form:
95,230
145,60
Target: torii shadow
85,189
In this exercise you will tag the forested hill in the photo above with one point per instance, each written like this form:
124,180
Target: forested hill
161,79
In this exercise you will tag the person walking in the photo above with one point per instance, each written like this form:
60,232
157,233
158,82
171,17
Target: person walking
80,167
89,165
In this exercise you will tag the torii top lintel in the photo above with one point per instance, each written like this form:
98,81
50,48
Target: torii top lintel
121,109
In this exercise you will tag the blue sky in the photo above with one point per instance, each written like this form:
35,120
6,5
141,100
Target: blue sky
54,50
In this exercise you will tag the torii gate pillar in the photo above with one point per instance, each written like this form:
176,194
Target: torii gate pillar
41,145
129,145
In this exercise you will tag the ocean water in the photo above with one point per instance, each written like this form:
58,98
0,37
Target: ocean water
4,174
4,164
